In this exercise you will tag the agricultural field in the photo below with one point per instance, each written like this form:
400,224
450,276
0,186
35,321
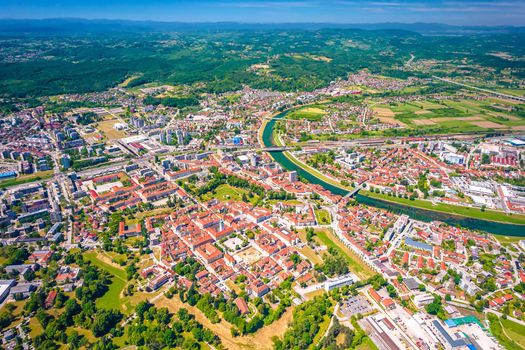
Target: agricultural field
466,115
514,331
508,333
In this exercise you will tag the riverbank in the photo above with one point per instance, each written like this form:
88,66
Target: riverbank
497,223
489,215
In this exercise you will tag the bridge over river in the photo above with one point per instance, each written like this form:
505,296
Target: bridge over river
278,154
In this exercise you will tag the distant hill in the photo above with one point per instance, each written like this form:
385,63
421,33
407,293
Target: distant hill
79,25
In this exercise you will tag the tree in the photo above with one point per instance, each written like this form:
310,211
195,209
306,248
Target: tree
104,321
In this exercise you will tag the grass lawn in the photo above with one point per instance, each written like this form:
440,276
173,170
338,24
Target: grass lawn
367,344
106,127
506,331
262,339
228,193
507,240
314,171
490,215
323,217
514,331
41,175
314,114
355,264
110,300
310,254
35,327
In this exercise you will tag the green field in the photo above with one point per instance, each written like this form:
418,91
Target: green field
313,171
112,299
510,334
42,175
514,331
226,192
355,264
311,113
323,217
452,209
455,115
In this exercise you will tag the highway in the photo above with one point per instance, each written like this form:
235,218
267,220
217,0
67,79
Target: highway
500,94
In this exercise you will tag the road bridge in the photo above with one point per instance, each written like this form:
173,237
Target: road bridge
355,190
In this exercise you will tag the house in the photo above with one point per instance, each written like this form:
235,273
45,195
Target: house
22,290
258,289
158,281
41,257
242,306
208,253
129,230
377,298
50,300
388,304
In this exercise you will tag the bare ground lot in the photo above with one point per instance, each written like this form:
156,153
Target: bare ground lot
106,127
250,255
463,119
423,122
387,116
488,124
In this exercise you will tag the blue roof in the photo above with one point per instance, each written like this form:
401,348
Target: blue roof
451,323
454,343
7,174
416,244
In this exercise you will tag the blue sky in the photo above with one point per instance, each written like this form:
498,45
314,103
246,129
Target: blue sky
471,12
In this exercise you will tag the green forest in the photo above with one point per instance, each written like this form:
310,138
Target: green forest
33,65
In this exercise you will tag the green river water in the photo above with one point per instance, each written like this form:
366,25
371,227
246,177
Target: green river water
498,228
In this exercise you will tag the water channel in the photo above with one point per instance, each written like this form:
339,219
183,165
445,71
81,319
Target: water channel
426,215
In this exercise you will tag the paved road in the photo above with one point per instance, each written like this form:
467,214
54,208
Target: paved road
500,94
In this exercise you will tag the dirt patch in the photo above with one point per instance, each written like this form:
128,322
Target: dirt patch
250,255
262,339
107,127
423,111
423,122
384,112
449,119
506,116
391,121
488,124
386,116
519,127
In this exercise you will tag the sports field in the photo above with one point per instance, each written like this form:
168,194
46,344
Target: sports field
311,113
22,179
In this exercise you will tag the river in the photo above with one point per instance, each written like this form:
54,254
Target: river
426,215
